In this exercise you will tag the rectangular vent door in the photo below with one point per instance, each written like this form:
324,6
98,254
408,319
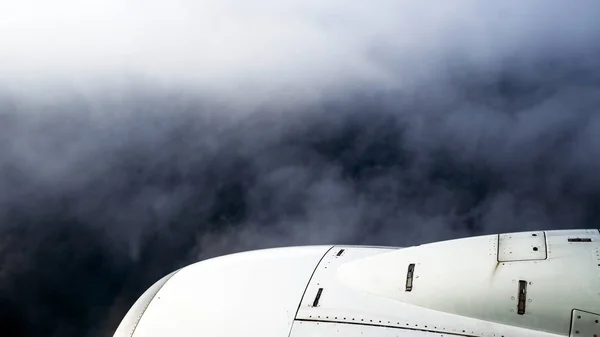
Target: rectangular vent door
522,247
584,324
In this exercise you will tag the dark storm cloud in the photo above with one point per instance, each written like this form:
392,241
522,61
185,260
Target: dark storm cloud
138,137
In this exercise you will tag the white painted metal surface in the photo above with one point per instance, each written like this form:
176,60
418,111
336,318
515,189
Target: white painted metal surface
132,318
585,324
331,329
367,286
245,294
463,277
526,246
495,285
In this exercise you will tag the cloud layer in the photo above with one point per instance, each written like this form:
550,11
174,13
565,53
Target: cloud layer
271,47
137,137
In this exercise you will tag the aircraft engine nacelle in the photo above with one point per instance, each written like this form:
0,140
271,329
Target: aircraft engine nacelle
535,284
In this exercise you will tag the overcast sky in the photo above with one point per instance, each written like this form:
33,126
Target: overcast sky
269,45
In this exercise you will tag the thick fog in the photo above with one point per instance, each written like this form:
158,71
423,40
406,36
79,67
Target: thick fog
140,136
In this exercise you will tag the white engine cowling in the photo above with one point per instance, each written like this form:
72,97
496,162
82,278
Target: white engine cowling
539,284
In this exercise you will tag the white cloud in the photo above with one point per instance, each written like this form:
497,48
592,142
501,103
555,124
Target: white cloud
269,45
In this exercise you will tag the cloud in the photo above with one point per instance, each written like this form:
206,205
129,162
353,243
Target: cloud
137,137
271,48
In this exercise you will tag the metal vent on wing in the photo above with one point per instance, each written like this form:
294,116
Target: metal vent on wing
584,324
525,246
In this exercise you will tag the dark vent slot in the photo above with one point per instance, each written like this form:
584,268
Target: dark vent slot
340,252
522,297
409,277
318,297
580,240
